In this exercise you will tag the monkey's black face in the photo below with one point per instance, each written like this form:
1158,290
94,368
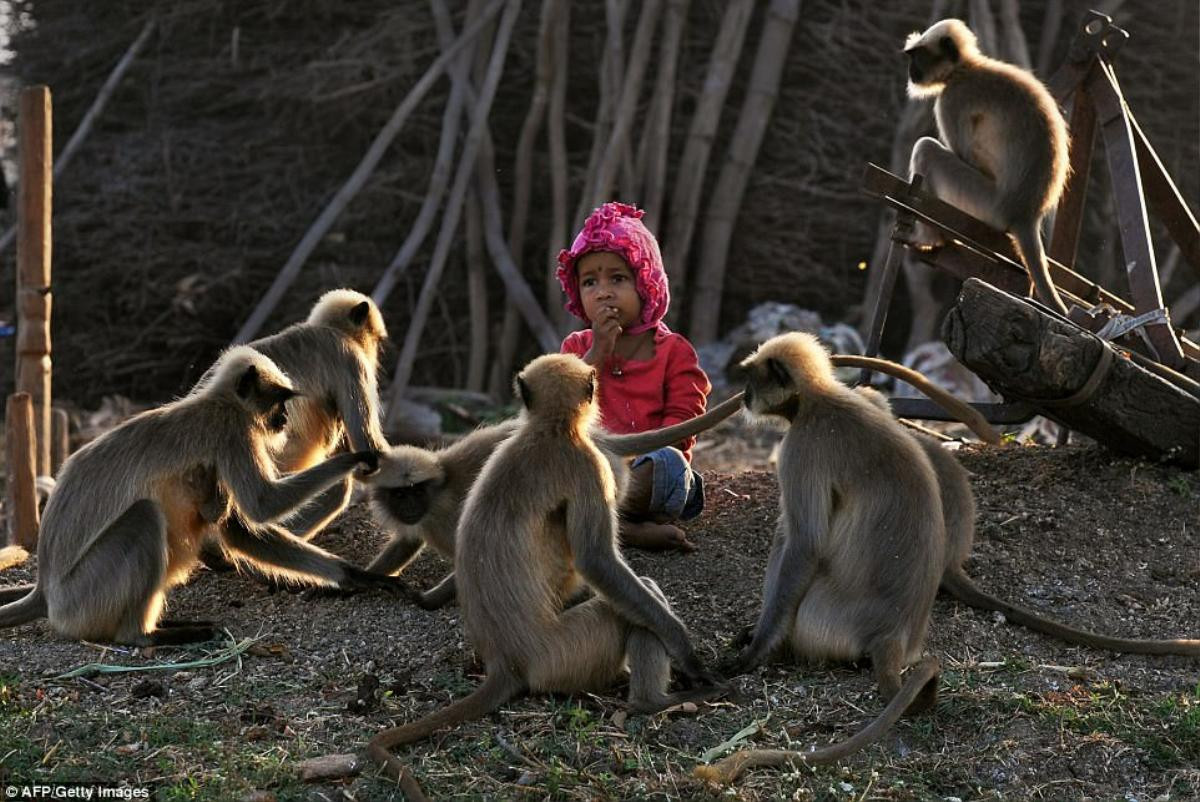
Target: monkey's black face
408,503
928,64
278,417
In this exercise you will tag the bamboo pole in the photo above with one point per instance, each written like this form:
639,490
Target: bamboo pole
92,114
33,264
689,180
757,106
22,475
454,205
652,155
291,269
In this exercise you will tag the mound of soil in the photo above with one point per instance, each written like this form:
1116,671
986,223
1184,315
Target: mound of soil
1100,542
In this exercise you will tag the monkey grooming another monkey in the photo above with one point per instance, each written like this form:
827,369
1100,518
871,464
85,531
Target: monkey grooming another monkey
854,567
332,359
541,518
1003,155
418,493
958,511
131,508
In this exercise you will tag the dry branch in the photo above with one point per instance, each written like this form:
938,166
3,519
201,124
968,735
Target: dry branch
726,200
652,155
439,179
689,179
458,191
357,179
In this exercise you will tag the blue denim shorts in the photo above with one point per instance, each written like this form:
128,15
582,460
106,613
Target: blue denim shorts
677,492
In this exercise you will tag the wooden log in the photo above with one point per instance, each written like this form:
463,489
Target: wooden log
33,264
60,438
1026,355
22,473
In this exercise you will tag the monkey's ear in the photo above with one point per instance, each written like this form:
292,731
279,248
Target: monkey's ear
949,49
777,373
525,393
248,382
360,313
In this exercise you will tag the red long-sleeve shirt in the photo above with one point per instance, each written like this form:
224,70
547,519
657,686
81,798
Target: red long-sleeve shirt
649,393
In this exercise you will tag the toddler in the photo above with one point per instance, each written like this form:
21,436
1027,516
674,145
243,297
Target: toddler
648,376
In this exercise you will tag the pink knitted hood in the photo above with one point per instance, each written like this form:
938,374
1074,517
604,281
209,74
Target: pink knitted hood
618,228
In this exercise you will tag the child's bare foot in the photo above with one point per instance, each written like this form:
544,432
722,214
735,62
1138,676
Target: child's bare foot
654,537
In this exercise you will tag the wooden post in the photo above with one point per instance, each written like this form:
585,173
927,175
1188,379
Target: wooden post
22,495
33,264
60,439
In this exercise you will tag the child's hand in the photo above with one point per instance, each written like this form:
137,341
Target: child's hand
605,331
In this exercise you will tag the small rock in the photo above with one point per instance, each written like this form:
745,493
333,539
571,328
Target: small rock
526,778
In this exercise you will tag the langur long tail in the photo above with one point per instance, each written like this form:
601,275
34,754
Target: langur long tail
30,605
630,445
728,770
963,588
495,691
961,410
1029,242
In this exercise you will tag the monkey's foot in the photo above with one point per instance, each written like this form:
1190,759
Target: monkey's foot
359,579
654,537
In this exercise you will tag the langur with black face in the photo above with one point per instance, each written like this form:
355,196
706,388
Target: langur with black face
130,510
958,511
855,563
418,493
1003,154
541,519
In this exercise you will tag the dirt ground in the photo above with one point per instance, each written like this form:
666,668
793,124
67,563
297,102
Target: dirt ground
1097,541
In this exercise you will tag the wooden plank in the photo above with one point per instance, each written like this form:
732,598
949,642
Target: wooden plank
1033,357
1068,220
22,473
1165,201
33,264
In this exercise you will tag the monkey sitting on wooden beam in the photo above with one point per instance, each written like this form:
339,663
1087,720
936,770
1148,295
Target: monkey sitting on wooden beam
418,494
958,511
855,564
130,510
540,519
1003,154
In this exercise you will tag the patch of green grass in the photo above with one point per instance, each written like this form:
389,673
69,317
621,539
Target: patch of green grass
1180,485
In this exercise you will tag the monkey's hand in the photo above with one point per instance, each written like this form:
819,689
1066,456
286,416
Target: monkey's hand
747,660
358,579
694,674
367,463
743,638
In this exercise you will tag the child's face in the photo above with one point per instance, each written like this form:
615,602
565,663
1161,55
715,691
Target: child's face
606,282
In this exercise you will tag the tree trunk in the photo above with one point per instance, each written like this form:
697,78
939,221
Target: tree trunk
652,155
983,24
610,88
477,295
1051,25
689,179
1015,48
769,61
1028,355
559,193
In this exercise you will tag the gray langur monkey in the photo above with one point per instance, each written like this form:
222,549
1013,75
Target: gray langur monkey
418,494
130,510
855,564
1003,154
332,360
540,519
958,511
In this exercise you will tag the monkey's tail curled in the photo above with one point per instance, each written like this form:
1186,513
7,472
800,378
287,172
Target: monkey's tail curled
728,770
495,691
963,588
961,410
29,607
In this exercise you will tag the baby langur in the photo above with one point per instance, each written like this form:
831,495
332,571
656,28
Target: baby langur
418,493
1003,155
540,519
855,563
130,510
958,511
